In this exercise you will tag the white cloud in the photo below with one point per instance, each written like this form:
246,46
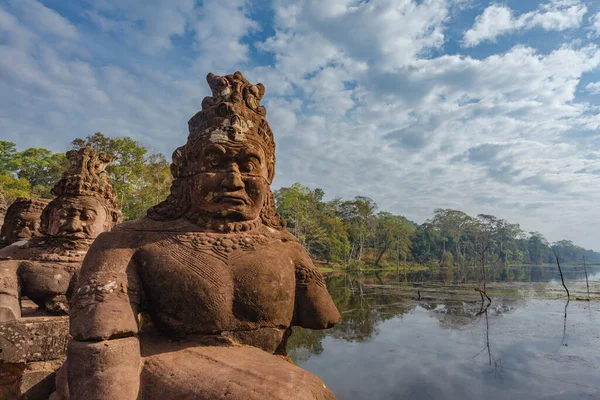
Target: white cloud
44,19
394,131
594,25
360,97
216,28
593,87
496,20
148,25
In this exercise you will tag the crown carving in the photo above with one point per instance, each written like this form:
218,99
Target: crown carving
233,111
86,176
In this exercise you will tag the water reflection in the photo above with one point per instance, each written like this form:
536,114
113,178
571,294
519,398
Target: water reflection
449,345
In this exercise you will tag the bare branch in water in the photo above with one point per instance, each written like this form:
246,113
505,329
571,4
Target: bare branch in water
483,293
586,278
561,275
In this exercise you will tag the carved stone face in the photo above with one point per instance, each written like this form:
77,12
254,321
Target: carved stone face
233,183
23,226
82,217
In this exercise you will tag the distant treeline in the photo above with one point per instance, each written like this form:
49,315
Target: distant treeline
349,233
352,233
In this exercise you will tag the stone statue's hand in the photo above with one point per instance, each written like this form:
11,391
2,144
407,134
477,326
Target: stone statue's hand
314,308
57,305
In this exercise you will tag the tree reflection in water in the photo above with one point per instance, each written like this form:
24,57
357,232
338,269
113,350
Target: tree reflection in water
366,303
367,299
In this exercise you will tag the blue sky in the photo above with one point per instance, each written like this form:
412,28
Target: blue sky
487,107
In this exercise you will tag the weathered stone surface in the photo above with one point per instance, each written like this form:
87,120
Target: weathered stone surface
22,220
39,378
219,280
10,380
240,372
45,269
34,339
33,348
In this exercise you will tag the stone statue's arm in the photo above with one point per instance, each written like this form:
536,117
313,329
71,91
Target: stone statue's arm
103,359
10,304
314,308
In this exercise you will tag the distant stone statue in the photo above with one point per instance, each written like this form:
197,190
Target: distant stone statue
22,220
2,209
195,300
45,267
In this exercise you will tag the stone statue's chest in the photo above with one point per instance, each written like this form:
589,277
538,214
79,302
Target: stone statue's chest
211,283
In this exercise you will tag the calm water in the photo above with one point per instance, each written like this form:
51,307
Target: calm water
445,345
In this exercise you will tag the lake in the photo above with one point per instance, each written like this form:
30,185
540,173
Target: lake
428,336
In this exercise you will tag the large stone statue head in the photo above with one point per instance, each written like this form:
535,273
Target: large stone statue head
86,204
22,220
222,174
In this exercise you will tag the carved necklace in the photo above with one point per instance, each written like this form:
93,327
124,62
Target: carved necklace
224,227
229,242
60,249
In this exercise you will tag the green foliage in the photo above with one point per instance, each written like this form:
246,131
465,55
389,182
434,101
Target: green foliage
447,260
29,173
12,188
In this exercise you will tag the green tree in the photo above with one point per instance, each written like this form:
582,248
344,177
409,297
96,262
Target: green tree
12,188
360,220
393,232
41,167
451,224
8,150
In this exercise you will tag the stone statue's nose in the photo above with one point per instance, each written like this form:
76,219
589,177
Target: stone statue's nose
73,224
233,180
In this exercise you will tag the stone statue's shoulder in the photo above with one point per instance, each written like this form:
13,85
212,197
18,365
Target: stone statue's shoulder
286,236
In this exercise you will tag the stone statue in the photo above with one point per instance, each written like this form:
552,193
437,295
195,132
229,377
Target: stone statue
2,209
45,268
22,220
197,299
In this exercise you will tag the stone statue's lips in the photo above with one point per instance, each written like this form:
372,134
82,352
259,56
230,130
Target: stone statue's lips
232,198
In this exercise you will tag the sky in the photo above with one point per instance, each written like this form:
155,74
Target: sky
485,107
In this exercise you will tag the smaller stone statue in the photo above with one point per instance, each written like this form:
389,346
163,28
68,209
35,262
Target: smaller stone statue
45,268
22,220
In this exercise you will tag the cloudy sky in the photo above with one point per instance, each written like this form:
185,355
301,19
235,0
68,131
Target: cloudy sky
487,107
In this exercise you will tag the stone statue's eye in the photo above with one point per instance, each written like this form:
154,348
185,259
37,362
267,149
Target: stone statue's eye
248,166
213,160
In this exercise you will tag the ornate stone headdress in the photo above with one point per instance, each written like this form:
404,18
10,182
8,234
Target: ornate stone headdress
234,112
86,176
26,204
